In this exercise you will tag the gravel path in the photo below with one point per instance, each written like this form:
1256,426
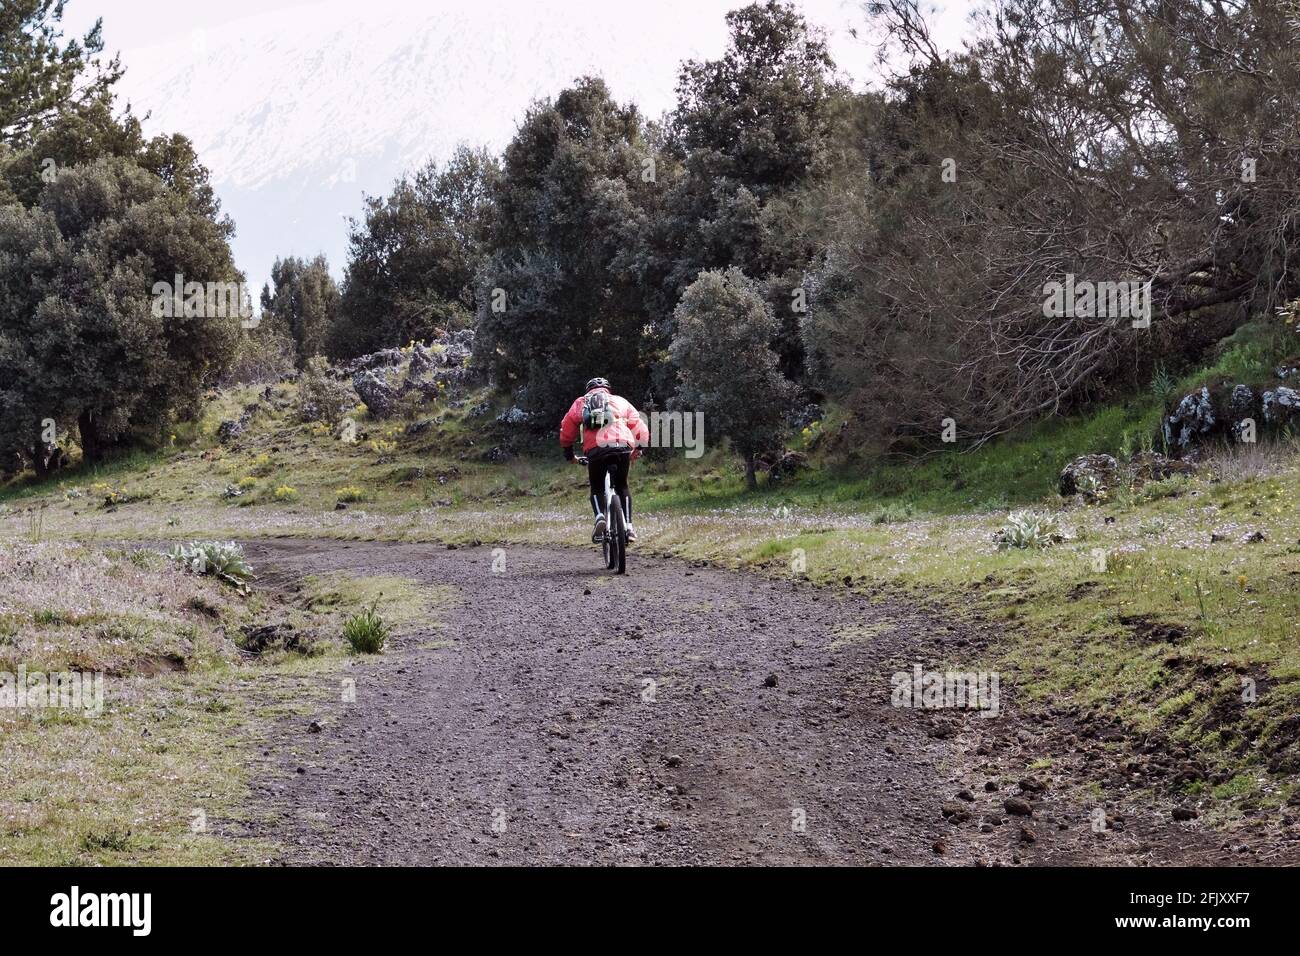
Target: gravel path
678,715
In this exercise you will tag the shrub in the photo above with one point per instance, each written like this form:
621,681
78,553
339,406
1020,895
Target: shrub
1028,529
351,493
1170,487
114,838
366,632
264,354
286,493
321,397
224,560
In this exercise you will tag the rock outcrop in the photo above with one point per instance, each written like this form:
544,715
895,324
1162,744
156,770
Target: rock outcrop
1103,469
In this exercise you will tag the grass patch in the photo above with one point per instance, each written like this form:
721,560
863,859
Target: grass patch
366,633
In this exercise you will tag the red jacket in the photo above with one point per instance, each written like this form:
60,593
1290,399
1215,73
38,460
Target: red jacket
627,431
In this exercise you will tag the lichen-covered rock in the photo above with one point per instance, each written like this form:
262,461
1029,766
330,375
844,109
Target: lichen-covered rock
1280,404
1103,468
805,416
423,360
1194,418
231,429
380,398
384,358
428,390
458,346
514,415
1243,409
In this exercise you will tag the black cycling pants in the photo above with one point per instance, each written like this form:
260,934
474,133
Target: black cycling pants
617,464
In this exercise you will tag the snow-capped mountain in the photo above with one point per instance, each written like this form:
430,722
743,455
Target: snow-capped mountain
299,111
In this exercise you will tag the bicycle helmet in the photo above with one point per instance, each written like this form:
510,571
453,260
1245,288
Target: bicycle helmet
597,383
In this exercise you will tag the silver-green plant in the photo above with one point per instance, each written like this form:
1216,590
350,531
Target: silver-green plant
1028,529
224,560
1092,488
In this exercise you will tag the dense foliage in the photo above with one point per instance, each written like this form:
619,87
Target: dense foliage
93,217
776,237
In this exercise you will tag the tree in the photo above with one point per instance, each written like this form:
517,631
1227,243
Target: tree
304,303
750,129
1132,141
563,294
93,220
725,367
40,77
413,257
30,248
85,334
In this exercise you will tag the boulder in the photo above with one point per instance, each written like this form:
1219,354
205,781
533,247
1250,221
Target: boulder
458,347
1193,418
422,360
514,415
1243,404
380,397
1280,404
232,429
1102,467
384,358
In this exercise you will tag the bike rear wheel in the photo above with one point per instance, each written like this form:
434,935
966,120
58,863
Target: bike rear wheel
617,535
608,546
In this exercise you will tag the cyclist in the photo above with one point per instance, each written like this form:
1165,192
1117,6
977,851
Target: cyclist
613,435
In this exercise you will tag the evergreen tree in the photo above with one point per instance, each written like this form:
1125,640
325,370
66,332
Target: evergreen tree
751,130
725,367
304,303
413,257
563,294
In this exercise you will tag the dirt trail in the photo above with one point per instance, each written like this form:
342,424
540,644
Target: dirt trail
542,724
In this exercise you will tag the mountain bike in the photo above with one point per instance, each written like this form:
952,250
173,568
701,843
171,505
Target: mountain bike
614,541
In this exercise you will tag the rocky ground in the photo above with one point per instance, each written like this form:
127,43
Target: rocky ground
684,715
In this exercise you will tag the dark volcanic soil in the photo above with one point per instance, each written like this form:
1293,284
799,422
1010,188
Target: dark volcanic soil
537,723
